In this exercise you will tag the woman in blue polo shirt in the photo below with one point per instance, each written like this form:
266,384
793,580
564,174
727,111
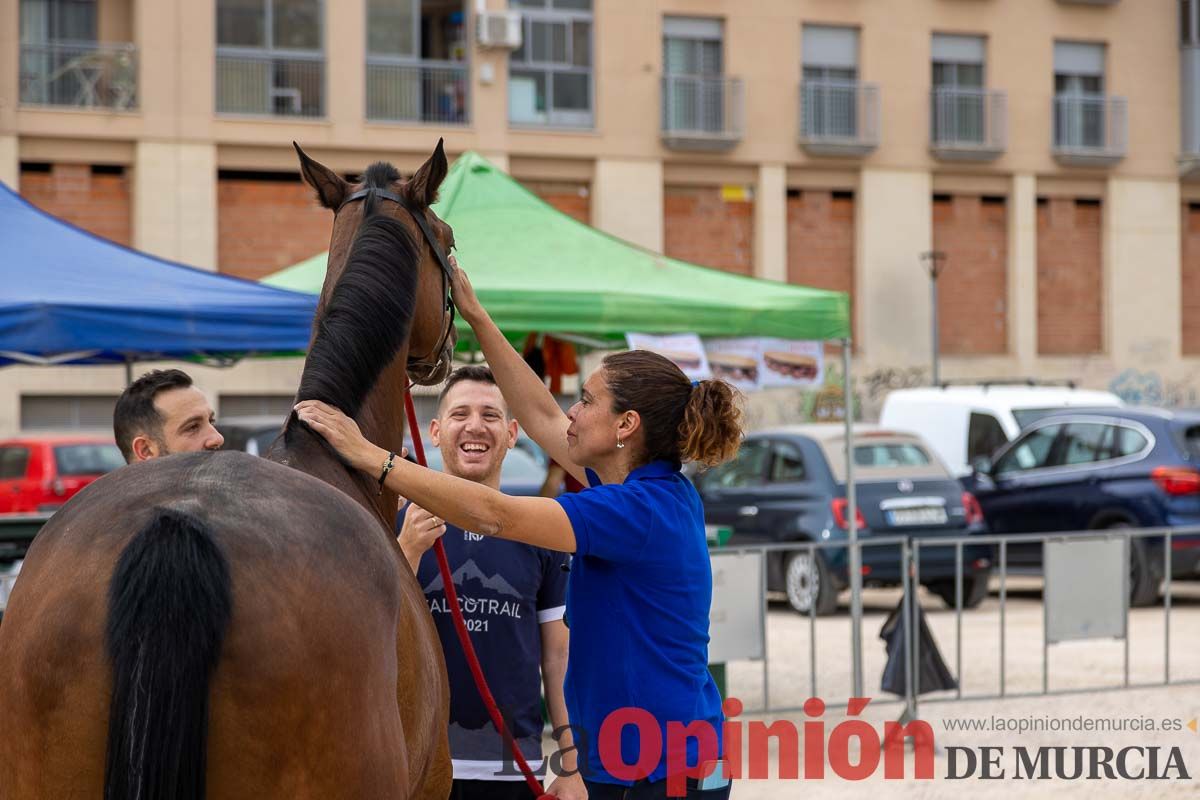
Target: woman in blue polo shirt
639,592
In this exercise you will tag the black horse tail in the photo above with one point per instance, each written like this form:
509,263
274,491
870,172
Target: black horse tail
169,607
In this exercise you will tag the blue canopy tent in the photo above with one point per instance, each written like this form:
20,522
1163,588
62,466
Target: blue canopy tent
69,297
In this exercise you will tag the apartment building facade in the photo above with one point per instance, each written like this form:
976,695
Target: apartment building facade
1045,154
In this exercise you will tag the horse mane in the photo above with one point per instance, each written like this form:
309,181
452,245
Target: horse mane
369,312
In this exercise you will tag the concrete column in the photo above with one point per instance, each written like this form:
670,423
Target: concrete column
770,223
894,227
1022,272
345,67
627,201
175,201
489,89
176,55
1142,272
10,162
10,84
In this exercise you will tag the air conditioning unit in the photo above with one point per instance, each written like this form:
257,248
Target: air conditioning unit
498,29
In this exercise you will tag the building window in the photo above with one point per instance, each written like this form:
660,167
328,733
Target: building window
550,75
1080,107
270,58
694,86
67,412
417,61
959,112
830,79
44,21
1189,36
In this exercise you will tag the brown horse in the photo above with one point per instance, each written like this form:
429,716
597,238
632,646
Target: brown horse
218,625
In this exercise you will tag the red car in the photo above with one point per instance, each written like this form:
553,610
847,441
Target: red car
41,473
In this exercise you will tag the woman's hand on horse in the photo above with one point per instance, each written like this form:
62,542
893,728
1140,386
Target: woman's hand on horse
463,293
341,432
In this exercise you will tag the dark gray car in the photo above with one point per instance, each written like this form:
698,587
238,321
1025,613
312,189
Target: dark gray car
789,485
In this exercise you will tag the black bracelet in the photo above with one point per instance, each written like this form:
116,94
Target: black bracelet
387,467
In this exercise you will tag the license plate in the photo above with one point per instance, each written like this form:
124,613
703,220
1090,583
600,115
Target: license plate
934,515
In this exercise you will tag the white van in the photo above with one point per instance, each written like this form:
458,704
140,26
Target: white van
964,423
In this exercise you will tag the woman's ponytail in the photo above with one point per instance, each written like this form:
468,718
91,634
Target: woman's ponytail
711,430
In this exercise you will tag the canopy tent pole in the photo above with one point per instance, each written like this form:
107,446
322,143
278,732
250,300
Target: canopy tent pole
128,371
852,525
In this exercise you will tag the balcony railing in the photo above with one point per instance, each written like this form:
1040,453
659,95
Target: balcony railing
79,75
271,85
839,118
968,124
424,91
1090,130
701,113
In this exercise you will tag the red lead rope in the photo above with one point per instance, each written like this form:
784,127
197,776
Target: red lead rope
460,625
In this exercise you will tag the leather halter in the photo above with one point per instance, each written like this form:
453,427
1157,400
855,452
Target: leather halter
421,368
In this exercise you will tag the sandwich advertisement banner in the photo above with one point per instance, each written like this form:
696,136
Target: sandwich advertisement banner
751,364
738,361
747,363
684,349
791,363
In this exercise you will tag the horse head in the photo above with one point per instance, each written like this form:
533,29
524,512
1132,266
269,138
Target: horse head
381,190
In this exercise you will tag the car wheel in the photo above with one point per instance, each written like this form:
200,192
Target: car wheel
974,590
1143,577
808,581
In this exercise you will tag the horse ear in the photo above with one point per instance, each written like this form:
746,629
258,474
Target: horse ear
423,187
331,187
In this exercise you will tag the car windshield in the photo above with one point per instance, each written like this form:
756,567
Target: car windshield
890,455
1027,416
885,457
87,459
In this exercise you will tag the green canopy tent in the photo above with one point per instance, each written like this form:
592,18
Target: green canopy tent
537,269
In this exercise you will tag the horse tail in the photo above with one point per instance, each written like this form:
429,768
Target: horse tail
169,607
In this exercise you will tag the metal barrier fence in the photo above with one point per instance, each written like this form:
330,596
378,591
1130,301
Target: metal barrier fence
425,91
910,553
79,74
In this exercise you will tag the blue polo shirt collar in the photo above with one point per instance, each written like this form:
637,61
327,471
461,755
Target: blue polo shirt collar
655,469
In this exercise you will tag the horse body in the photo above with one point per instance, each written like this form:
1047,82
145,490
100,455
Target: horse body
327,677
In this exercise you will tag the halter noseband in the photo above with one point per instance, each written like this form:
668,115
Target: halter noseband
419,368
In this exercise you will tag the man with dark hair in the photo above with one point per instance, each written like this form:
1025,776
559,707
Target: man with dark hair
161,413
513,597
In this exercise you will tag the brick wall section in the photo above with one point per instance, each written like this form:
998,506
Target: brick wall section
572,199
700,227
99,203
266,225
1069,277
820,241
973,288
1190,285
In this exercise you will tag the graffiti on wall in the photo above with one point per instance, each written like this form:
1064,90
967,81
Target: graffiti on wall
1149,388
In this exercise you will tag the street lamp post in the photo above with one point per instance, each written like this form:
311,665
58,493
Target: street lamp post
936,264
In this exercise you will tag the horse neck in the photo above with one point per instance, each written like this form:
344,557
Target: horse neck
381,421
